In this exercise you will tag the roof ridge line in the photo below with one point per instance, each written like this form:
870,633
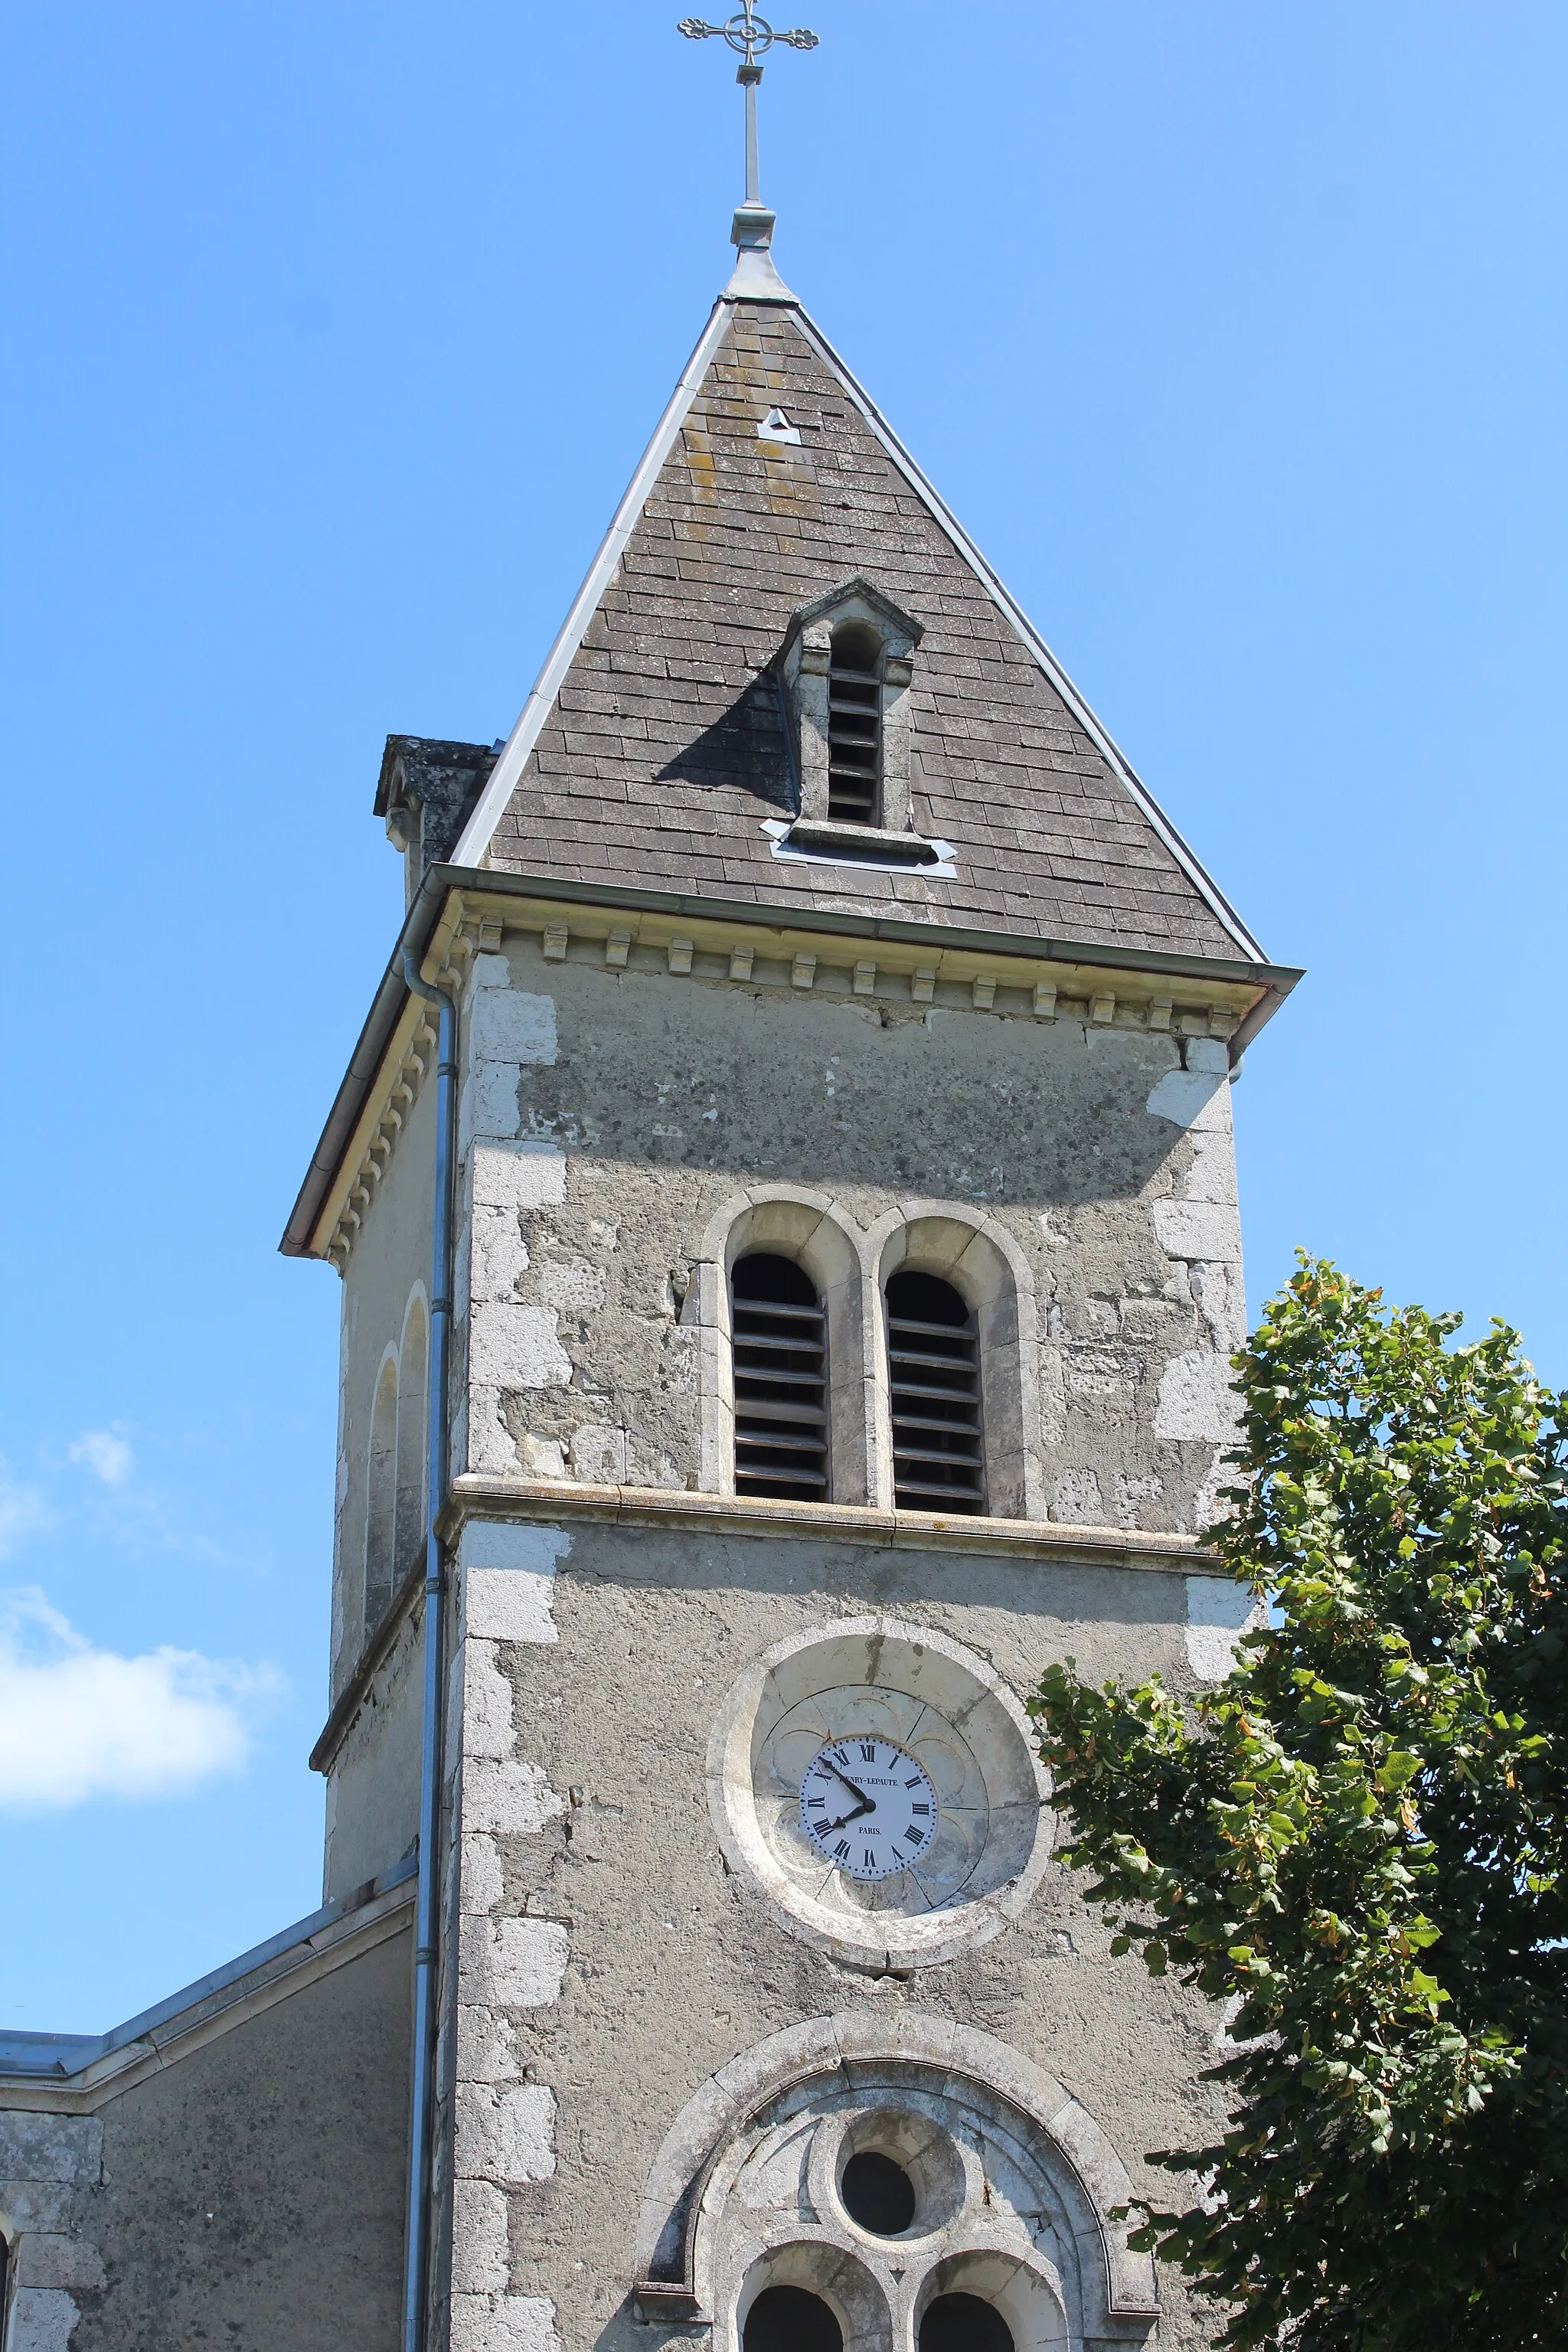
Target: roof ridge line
473,842
1007,603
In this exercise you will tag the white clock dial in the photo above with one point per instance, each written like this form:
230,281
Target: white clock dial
868,1807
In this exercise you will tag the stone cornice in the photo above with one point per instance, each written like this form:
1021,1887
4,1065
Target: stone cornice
1036,981
839,956
556,1501
479,1496
932,969
410,1056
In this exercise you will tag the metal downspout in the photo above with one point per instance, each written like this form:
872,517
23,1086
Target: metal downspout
416,2267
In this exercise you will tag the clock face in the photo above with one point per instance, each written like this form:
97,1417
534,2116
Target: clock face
868,1807
876,1781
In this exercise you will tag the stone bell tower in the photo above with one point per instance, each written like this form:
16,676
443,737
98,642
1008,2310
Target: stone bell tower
823,1043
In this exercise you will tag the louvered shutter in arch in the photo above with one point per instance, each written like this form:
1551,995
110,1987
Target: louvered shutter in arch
779,1337
933,1370
855,726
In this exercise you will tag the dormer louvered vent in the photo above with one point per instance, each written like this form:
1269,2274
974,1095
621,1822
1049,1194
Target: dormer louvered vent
854,726
780,1347
934,1373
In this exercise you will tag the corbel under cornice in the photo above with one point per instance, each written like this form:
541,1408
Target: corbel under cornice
838,956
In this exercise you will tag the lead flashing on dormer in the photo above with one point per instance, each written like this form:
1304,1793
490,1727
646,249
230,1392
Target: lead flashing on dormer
867,847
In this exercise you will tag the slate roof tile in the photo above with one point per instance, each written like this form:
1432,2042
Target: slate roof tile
664,730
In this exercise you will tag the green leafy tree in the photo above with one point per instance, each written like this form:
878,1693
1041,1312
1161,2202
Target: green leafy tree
1357,1841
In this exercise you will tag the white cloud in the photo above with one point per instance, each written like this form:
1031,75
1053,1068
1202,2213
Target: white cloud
23,1511
106,1454
77,1722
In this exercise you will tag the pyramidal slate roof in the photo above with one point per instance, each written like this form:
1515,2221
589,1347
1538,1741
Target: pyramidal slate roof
652,754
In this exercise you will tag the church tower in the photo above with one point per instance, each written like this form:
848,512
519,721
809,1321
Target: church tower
785,1204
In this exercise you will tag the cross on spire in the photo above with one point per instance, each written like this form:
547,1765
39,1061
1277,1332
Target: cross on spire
750,35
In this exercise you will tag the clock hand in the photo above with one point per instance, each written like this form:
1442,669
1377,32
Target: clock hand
869,1802
861,1808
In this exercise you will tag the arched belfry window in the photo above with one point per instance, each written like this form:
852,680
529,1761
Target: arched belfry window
855,725
380,1500
934,1372
412,1442
779,1347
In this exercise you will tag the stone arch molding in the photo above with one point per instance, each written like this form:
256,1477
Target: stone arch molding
1017,2186
851,1266
985,1265
413,1432
395,1452
807,1226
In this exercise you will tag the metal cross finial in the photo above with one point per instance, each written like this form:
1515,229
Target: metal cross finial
750,35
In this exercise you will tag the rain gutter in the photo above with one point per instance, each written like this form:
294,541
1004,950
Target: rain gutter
416,2268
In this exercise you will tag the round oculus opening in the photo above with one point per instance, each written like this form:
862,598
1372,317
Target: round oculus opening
877,2193
791,2319
960,2323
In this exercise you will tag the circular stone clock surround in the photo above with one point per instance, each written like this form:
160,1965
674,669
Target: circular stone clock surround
886,1678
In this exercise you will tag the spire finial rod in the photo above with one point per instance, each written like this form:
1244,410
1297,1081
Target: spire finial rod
750,35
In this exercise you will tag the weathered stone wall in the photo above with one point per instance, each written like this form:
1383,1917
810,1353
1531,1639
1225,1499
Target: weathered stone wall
247,2190
611,1961
390,1263
610,1115
373,1780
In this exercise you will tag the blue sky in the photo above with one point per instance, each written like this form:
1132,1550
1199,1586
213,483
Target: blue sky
1234,334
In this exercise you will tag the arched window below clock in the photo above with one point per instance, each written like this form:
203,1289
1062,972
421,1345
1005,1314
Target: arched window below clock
778,1334
791,2319
1018,2241
964,2323
933,1382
